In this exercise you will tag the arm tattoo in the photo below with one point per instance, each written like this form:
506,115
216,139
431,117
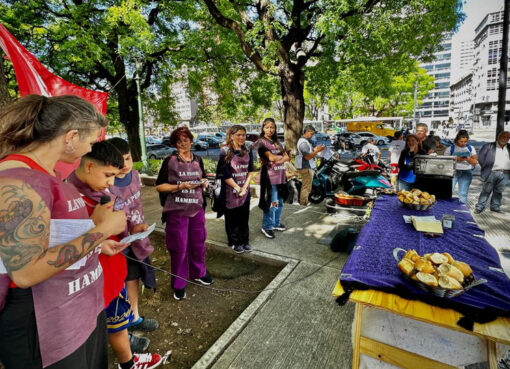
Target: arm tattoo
23,231
70,253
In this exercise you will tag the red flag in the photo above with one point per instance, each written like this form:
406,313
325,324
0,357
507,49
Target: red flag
34,78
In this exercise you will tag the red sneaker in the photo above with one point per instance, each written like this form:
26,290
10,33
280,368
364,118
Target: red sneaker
147,361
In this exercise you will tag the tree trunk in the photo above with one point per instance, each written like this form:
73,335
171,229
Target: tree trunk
5,97
128,116
292,84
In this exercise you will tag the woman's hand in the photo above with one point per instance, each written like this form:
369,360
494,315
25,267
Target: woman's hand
188,185
138,228
111,247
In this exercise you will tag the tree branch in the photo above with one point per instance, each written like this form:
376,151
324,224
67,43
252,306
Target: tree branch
235,26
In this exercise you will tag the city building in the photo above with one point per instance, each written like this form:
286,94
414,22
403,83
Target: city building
435,107
461,100
184,105
488,44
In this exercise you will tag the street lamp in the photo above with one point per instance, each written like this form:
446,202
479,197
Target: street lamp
141,125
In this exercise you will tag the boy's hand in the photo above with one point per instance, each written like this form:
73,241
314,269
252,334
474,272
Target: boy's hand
100,211
137,228
111,247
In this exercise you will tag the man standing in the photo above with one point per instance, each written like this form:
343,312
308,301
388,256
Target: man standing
305,162
494,158
372,151
396,147
428,144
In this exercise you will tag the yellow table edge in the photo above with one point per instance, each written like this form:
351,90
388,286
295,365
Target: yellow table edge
497,330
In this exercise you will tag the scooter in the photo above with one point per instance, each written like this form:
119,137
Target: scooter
355,177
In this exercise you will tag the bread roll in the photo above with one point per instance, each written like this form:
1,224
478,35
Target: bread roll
449,283
427,279
410,253
450,258
463,267
438,258
406,266
425,266
425,195
451,271
416,192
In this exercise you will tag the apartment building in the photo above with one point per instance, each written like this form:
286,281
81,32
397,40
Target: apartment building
435,108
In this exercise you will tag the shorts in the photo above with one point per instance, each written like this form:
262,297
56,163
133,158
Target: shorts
19,341
118,313
134,269
394,170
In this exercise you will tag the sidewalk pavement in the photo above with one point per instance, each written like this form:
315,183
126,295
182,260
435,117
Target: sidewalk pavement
301,326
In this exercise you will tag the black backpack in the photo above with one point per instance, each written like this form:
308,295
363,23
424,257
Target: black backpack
345,240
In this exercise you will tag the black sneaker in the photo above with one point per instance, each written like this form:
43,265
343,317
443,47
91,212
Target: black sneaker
179,294
267,232
280,228
145,324
247,247
478,211
206,279
238,249
496,210
138,343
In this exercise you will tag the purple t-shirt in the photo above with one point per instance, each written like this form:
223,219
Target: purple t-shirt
67,304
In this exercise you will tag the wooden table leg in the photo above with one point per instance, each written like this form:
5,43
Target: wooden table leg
492,354
357,336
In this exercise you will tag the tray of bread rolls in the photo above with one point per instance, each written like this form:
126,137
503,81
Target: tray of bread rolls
437,273
416,199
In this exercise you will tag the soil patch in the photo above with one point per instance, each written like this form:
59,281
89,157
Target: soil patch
189,327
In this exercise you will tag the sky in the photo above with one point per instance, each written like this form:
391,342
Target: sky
475,11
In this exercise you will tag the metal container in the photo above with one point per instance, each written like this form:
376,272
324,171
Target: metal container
434,165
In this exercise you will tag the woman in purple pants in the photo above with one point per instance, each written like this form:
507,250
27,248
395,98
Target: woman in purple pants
181,182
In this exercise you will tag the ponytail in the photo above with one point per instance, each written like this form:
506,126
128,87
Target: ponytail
36,119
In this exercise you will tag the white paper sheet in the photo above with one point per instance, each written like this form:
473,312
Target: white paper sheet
138,236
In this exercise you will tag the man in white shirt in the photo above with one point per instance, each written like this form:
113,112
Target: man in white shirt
396,147
494,159
305,162
371,150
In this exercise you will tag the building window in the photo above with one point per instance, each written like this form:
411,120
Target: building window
495,50
441,113
439,85
442,76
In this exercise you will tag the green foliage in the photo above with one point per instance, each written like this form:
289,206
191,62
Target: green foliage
151,169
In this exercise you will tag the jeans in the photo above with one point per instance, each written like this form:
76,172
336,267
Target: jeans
464,178
495,184
271,218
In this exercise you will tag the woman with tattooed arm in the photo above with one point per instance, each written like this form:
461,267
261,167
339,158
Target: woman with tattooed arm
51,296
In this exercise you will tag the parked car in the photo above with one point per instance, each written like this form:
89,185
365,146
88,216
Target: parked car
338,137
199,145
220,135
320,138
159,151
252,136
152,140
213,142
360,138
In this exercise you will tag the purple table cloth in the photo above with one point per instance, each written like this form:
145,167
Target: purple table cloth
371,264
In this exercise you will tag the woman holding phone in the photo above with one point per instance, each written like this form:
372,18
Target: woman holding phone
181,182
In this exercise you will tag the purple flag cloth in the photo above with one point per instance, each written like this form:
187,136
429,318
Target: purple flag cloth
371,265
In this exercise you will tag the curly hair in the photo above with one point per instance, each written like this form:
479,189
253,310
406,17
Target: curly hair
178,133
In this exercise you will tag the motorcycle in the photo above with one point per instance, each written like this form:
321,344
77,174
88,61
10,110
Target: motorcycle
356,177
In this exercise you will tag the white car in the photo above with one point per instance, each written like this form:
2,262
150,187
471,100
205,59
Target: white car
360,138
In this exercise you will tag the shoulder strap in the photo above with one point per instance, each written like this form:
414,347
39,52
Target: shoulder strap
469,148
25,159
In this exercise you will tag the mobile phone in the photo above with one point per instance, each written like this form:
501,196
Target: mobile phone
118,204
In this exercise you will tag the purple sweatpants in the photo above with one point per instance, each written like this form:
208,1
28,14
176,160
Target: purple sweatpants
185,241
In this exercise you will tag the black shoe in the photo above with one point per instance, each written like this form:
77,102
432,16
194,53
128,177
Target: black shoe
280,228
478,211
138,344
247,247
238,249
496,210
179,294
205,280
267,232
145,324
